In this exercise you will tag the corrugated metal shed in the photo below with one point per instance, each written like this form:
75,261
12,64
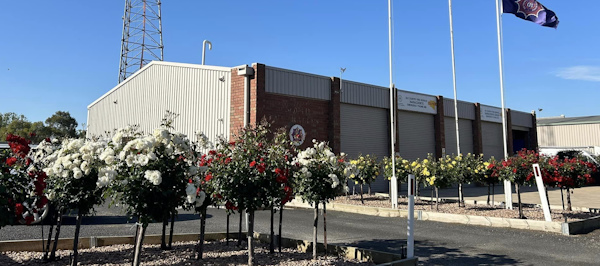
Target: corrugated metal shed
575,135
199,94
365,94
289,82
553,121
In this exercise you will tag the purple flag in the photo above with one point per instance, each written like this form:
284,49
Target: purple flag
531,10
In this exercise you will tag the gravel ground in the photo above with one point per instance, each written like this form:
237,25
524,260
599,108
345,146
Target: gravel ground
216,253
479,210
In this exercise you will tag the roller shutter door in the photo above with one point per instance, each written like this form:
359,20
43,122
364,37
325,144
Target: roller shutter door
466,135
416,135
365,130
491,136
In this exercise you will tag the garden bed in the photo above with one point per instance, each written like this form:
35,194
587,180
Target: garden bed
532,213
216,253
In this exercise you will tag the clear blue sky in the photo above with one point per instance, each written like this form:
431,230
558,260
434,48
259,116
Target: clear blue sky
62,55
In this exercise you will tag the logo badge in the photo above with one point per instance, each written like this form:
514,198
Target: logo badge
297,135
529,7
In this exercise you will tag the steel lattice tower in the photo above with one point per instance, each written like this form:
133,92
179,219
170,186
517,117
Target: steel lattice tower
142,36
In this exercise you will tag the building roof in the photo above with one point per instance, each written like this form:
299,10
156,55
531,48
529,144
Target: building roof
556,121
149,65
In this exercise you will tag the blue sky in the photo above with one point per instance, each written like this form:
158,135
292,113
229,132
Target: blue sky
62,55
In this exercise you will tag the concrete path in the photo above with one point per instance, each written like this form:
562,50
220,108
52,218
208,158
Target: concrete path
585,197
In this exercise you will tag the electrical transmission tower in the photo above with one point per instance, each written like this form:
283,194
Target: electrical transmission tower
142,36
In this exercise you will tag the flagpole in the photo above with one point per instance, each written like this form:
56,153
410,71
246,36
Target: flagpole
454,78
394,181
507,184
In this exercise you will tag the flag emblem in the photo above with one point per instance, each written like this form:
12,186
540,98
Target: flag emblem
531,10
529,7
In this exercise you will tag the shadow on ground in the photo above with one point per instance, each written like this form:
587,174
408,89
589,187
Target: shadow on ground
432,254
120,219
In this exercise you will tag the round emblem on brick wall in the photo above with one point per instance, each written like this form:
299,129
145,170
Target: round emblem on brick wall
297,135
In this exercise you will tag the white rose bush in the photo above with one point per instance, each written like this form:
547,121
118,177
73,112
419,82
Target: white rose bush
72,181
319,178
150,178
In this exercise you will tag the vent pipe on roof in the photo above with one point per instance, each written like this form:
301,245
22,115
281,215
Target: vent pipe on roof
204,49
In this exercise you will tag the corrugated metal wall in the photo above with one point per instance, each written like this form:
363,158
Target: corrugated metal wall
466,135
365,94
491,134
365,130
289,82
569,135
466,110
195,92
521,119
416,133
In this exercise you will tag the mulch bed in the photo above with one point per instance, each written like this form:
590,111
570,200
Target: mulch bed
183,253
533,213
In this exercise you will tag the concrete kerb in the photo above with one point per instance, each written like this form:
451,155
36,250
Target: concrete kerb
568,228
365,255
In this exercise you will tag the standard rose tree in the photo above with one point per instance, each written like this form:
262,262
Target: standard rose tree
249,172
319,179
22,184
151,175
363,171
73,180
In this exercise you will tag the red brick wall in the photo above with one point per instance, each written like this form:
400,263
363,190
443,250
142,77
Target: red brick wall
440,135
236,120
319,118
286,111
334,123
477,137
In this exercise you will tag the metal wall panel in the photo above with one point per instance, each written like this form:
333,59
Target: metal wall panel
491,136
466,110
365,94
365,130
289,82
465,128
521,119
569,135
416,133
199,94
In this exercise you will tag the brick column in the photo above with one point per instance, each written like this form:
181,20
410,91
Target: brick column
440,135
509,133
395,106
236,109
533,140
477,137
333,125
257,94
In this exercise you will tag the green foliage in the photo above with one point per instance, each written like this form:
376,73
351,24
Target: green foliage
321,174
363,170
469,168
59,125
62,125
251,172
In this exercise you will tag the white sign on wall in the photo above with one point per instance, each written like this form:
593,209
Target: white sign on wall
491,114
417,102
